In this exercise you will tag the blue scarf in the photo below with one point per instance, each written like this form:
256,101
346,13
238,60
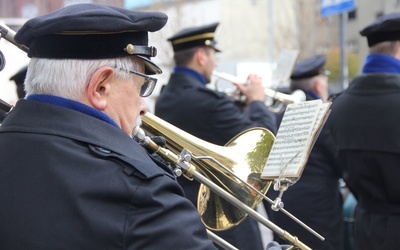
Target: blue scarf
184,70
380,63
70,104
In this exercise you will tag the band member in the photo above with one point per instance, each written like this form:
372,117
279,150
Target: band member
365,127
187,103
315,198
71,176
311,76
19,79
3,115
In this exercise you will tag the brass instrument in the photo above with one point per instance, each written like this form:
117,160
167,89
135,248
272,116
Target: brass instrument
246,155
295,97
8,34
220,169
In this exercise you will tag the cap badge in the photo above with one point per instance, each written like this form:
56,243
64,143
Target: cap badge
130,49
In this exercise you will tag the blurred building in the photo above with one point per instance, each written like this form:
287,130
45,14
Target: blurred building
252,33
32,8
365,13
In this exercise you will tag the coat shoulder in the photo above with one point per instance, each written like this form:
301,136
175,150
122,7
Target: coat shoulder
212,92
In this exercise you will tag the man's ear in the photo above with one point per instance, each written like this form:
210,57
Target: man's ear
200,55
99,87
317,85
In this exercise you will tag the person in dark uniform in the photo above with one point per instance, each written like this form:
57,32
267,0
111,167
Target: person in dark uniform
71,176
19,79
311,77
315,198
187,103
365,125
3,113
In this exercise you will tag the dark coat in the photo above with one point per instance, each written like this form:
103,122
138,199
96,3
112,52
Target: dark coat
72,181
212,116
315,199
3,115
365,125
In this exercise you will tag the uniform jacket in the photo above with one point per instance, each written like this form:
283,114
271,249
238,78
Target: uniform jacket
72,181
315,198
3,115
365,125
211,116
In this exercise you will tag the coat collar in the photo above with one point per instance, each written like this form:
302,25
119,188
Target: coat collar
38,117
378,82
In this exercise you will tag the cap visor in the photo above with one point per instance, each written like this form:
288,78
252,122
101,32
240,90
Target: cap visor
150,67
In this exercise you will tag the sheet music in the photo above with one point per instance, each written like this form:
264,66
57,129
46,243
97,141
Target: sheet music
284,65
296,135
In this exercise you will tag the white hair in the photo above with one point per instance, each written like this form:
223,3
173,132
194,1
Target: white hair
390,48
68,78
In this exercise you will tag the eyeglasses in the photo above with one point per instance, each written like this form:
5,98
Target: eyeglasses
149,82
325,72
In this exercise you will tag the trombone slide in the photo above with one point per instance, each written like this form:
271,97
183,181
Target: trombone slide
8,34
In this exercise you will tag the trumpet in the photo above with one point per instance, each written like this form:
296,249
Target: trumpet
295,97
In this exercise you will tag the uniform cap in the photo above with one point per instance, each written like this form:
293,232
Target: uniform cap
309,67
195,37
19,77
92,31
385,28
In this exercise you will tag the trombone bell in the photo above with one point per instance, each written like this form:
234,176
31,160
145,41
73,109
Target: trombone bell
244,157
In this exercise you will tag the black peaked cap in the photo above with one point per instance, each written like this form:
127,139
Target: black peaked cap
385,28
92,31
19,77
309,67
195,37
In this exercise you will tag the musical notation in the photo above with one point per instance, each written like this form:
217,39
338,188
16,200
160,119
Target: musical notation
297,133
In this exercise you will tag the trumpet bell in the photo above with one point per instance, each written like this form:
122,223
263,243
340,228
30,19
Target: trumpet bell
241,160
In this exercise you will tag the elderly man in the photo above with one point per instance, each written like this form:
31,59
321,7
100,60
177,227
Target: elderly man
71,176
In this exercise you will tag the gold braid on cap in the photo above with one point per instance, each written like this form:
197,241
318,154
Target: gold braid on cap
193,38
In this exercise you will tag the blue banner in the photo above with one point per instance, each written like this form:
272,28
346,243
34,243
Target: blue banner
332,7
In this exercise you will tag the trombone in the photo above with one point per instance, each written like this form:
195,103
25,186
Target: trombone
221,169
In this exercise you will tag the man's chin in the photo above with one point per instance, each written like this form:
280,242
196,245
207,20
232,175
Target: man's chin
138,123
